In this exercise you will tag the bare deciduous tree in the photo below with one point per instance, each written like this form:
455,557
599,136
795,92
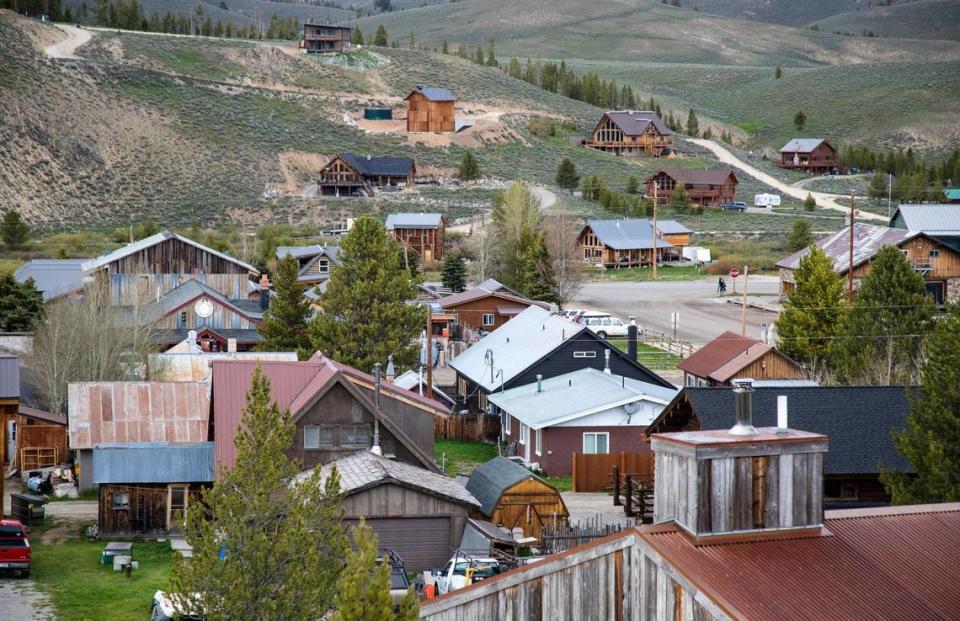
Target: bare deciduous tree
483,248
562,245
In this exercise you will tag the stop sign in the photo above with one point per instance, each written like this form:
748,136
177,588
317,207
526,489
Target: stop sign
734,272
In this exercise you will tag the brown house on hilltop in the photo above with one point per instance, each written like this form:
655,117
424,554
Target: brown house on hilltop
325,38
420,232
430,109
353,175
733,356
706,188
628,132
813,155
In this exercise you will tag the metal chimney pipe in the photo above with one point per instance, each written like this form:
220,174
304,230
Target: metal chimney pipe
375,449
743,408
782,426
606,361
632,339
376,384
391,370
539,383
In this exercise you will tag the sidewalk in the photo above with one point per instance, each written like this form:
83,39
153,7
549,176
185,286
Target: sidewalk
765,303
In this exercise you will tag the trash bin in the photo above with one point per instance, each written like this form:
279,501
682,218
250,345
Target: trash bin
27,508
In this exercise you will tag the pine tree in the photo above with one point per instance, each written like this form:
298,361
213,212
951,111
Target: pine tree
469,167
365,315
567,177
799,120
877,189
633,184
478,57
363,591
800,236
809,203
693,125
813,312
931,441
491,53
679,199
882,335
14,231
411,42
284,325
454,272
777,73
380,38
21,305
357,37
446,47
259,543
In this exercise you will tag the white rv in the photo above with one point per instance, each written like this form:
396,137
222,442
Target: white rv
766,200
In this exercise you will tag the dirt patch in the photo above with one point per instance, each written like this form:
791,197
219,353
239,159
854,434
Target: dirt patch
41,35
300,167
59,533
488,127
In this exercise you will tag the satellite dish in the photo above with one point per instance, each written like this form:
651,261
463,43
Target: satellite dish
632,408
203,308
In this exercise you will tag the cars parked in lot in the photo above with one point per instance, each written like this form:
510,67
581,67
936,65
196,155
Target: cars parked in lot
14,547
605,326
463,570
734,206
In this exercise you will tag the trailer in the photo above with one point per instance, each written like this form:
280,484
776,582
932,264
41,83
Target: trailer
766,200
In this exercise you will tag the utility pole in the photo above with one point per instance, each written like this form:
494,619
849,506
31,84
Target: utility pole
850,261
655,228
743,311
429,359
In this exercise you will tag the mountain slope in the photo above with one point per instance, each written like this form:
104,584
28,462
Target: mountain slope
925,19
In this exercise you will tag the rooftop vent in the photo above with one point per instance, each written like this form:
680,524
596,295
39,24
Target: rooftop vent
743,408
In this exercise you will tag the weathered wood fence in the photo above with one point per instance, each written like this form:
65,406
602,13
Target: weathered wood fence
559,536
594,473
474,427
634,492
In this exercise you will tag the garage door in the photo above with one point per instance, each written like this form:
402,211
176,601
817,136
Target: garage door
423,543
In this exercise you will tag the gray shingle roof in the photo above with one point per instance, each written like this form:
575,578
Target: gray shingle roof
434,93
53,277
634,122
868,240
376,166
858,420
627,234
363,470
192,288
931,218
153,462
801,145
413,221
490,480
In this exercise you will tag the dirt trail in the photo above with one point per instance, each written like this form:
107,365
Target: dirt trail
68,47
828,201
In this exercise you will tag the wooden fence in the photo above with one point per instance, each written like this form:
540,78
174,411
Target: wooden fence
475,427
593,473
556,537
667,343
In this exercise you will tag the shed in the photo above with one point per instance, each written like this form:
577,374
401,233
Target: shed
430,109
512,496
418,513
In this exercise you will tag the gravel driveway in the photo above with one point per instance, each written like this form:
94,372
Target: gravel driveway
20,599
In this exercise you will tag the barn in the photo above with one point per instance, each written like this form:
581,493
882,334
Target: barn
417,513
430,109
512,496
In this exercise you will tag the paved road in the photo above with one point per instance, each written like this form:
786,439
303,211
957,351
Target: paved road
703,316
829,201
68,47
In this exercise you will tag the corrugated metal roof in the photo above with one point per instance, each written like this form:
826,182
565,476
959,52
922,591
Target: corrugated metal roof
146,242
53,277
627,234
718,352
576,394
197,366
671,227
9,376
698,176
867,242
376,166
932,218
433,93
104,412
952,194
801,145
363,470
635,122
878,564
413,221
516,345
491,479
153,462
298,252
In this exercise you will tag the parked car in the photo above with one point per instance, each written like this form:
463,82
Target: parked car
399,584
463,570
14,547
734,206
605,326
165,608
573,314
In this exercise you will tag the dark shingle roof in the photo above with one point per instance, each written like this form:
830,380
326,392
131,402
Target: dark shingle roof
434,93
858,420
634,123
374,166
490,480
699,176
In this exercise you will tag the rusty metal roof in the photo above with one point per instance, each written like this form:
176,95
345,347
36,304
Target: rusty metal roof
107,412
718,353
898,563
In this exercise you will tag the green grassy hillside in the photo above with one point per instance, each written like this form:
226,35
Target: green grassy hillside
786,12
925,19
240,12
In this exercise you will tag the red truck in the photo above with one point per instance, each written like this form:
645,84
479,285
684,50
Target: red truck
14,547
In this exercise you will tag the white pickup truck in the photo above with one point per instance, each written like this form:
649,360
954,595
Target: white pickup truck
462,571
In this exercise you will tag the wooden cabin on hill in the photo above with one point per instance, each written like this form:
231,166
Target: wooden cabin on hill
325,38
420,232
706,188
430,109
629,132
353,175
813,155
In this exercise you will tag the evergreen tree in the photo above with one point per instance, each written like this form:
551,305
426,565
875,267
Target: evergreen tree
380,38
777,73
491,53
567,177
357,36
13,230
813,313
693,125
284,325
633,184
411,42
21,305
877,190
799,120
446,47
679,199
478,57
259,543
454,272
931,441
882,334
363,591
469,167
365,315
800,236
809,203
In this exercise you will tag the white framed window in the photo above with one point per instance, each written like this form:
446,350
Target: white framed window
584,354
596,442
538,442
935,252
506,423
487,319
482,402
323,266
355,436
690,380
523,433
315,436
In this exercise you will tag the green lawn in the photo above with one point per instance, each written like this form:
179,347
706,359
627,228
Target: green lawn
643,274
81,588
563,484
463,456
650,356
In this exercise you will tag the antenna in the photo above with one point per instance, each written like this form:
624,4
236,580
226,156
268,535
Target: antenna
488,360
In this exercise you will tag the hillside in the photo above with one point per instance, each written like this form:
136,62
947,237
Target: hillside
240,12
924,19
786,12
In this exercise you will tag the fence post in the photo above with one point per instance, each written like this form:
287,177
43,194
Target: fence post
575,487
628,505
616,486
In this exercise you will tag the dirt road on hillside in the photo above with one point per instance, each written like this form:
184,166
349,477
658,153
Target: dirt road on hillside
547,199
828,201
68,47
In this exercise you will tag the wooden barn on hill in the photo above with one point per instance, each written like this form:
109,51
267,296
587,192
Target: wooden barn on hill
430,109
629,132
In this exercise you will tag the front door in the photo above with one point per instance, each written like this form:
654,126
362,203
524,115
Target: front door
937,289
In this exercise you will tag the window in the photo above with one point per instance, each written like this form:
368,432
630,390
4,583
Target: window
462,387
177,498
690,380
355,436
487,319
120,501
482,402
904,252
506,423
935,253
323,266
523,433
538,444
315,436
584,354
596,442
183,319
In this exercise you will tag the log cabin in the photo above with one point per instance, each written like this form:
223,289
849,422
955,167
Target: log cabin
937,262
628,242
422,233
353,175
430,109
938,220
325,38
705,188
629,132
812,155
731,356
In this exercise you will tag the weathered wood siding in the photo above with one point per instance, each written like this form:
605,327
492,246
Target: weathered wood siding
41,435
917,251
772,365
146,513
529,504
427,243
424,115
186,317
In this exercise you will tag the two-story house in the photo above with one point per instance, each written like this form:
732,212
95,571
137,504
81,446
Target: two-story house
631,132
